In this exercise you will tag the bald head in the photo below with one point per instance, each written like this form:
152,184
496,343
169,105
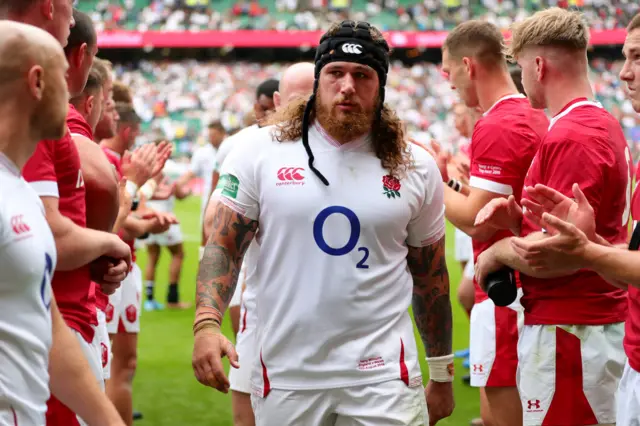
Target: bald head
297,81
23,46
32,77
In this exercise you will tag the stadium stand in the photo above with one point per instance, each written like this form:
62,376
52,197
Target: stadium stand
318,14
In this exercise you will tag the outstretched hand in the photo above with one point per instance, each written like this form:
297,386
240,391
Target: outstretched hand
576,211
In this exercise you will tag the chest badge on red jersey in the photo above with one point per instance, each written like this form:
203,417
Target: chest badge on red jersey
290,176
391,186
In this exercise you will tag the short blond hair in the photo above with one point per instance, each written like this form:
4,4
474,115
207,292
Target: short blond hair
476,39
553,27
634,24
103,66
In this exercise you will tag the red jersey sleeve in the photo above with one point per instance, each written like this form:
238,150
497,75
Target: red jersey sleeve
40,170
567,162
494,160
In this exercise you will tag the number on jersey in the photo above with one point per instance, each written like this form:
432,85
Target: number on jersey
354,236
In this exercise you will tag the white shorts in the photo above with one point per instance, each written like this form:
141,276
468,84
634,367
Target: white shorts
628,399
381,404
93,355
102,334
493,346
569,375
247,348
171,237
123,311
463,246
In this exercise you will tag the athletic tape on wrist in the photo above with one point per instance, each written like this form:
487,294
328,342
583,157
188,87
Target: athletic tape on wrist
207,312
441,368
131,188
148,189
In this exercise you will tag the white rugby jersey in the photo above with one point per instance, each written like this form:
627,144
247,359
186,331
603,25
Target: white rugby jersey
333,282
27,261
230,143
203,163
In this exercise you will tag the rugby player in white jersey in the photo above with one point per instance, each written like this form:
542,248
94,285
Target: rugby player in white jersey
351,221
262,108
203,164
39,354
296,82
164,200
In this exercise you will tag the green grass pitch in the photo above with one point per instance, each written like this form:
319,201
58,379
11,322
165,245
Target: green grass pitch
165,389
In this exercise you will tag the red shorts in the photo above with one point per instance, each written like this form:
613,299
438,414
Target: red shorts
493,348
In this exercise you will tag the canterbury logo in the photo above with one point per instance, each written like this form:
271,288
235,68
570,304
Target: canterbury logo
18,225
290,174
354,49
533,403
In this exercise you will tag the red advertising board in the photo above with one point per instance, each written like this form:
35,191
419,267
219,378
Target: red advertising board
286,39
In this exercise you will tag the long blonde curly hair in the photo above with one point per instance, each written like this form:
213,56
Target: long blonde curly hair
387,133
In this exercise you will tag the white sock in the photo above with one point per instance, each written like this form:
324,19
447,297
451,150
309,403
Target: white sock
201,252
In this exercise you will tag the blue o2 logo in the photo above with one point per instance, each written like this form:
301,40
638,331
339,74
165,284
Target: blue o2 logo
354,236
45,287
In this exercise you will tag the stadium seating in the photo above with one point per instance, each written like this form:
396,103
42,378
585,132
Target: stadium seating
315,14
177,99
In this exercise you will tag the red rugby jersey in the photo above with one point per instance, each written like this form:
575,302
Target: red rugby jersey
585,145
503,144
54,171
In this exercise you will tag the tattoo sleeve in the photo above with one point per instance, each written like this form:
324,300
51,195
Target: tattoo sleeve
431,302
218,274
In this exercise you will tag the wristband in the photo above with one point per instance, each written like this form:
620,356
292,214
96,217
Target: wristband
455,185
204,324
148,189
131,188
207,312
441,368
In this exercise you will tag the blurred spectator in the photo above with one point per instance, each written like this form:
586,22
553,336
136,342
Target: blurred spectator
177,99
179,15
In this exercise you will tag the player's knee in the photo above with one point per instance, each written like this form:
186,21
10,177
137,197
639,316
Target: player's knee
178,253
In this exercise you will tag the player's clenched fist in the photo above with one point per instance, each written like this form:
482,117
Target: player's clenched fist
209,348
440,401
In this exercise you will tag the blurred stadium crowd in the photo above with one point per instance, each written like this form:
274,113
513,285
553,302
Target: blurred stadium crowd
177,15
177,100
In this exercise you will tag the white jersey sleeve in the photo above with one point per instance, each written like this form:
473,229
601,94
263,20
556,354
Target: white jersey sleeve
428,225
229,143
238,186
196,166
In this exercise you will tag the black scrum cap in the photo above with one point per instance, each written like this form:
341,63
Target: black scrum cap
352,43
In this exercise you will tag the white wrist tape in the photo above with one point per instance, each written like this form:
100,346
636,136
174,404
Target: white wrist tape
148,189
131,188
441,368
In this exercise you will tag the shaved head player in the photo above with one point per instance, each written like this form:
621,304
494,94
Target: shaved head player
39,353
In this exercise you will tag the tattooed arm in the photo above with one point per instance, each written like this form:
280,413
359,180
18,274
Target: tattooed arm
431,302
217,278
220,265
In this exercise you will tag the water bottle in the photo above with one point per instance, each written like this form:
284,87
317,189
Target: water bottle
501,287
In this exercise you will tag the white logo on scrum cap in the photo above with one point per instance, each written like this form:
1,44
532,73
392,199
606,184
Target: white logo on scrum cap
354,49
